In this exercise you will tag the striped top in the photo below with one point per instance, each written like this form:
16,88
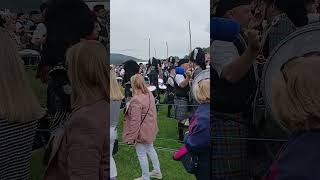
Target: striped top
16,149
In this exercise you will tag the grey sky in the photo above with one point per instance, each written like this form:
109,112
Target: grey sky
165,20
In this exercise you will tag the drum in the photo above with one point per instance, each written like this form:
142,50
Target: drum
152,88
303,41
162,87
30,57
119,80
160,81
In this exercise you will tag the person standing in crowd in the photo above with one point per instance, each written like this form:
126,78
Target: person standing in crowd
141,128
80,150
115,101
101,14
40,33
32,22
155,71
170,91
198,62
19,112
233,86
312,9
20,24
181,84
130,68
296,104
198,140
67,23
282,20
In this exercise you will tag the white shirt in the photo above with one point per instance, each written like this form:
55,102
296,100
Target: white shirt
170,81
222,53
179,78
40,31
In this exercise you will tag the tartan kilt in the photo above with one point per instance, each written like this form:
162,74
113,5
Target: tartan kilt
229,156
181,112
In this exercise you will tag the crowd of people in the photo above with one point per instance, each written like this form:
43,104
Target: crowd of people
177,80
241,52
73,43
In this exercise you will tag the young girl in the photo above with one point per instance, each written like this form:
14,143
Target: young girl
140,127
198,140
80,150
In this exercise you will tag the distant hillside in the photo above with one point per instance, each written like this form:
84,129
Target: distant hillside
120,58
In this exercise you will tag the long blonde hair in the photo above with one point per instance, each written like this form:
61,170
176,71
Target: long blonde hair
138,83
88,73
202,91
18,102
115,93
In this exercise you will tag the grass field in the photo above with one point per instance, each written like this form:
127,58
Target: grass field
126,159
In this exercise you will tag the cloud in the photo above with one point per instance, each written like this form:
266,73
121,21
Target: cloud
164,20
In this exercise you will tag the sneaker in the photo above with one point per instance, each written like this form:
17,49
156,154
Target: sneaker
155,174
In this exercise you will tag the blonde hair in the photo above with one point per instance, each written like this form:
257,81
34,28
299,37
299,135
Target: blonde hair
138,83
296,94
115,93
18,102
88,71
202,91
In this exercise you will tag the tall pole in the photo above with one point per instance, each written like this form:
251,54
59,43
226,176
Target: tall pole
167,50
155,53
190,37
149,47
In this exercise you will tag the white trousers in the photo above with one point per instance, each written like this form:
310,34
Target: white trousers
142,150
113,167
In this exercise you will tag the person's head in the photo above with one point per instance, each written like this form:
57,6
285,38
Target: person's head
88,71
115,93
67,23
239,10
202,91
34,16
21,16
138,84
295,94
18,101
296,11
311,6
198,58
43,10
131,68
184,63
100,11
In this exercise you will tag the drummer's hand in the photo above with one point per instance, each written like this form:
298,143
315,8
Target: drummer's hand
253,40
189,74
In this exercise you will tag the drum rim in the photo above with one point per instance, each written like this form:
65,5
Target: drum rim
266,68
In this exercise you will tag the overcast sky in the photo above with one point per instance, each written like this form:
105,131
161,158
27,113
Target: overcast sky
132,21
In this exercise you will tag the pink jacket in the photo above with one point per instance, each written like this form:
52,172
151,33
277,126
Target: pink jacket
136,131
79,151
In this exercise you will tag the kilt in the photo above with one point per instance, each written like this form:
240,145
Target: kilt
229,156
181,108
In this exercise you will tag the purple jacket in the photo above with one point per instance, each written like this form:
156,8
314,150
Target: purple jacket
298,159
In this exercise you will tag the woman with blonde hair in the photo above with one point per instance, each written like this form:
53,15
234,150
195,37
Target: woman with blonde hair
296,104
115,100
19,112
141,128
80,150
197,142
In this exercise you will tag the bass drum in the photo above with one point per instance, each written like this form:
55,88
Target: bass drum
302,41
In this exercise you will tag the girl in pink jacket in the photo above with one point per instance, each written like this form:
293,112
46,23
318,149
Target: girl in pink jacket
140,127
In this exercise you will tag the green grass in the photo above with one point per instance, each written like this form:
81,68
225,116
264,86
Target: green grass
127,163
